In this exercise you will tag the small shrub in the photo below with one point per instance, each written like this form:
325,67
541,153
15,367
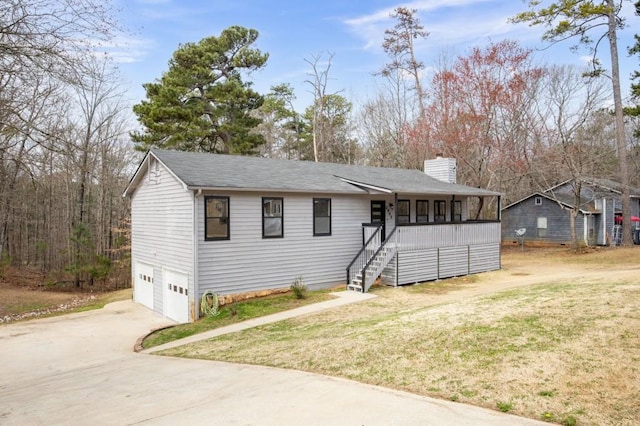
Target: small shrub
570,421
505,407
299,288
233,308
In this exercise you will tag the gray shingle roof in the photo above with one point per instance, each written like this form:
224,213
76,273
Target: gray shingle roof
209,171
609,184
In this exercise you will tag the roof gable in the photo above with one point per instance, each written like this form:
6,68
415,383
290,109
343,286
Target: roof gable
562,200
600,184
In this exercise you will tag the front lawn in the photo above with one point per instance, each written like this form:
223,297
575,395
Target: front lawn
565,348
234,313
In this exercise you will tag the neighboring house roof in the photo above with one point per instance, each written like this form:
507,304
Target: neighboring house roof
586,205
565,200
214,171
604,184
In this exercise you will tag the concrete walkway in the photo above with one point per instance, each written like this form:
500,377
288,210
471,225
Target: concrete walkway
341,298
80,369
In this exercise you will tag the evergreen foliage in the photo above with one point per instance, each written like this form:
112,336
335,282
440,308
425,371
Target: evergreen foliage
202,103
635,87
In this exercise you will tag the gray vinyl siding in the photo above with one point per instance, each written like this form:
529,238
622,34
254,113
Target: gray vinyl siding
409,267
417,265
247,262
453,261
444,251
485,257
162,229
525,215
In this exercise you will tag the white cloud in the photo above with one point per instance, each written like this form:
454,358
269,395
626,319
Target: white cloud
122,49
447,21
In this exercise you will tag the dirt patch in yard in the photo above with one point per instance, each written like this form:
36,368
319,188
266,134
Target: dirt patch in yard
25,294
554,336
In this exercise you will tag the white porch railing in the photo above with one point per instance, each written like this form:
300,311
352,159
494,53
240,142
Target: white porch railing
368,264
417,237
370,230
369,248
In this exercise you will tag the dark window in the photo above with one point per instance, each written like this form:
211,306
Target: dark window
538,201
321,216
404,211
439,211
272,218
457,211
422,211
216,218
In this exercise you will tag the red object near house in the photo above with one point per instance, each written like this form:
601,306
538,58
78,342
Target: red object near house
633,219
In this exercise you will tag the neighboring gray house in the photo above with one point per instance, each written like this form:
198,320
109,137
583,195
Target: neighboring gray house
234,224
546,215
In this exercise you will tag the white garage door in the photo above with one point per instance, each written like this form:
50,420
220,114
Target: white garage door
176,295
143,284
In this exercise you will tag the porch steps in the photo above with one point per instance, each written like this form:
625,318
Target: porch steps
375,268
356,284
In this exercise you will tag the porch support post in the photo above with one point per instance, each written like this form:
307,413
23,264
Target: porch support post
451,209
395,211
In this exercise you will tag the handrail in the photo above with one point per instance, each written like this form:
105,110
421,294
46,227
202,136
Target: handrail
416,237
364,270
364,247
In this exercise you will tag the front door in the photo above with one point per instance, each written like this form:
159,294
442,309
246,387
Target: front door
377,215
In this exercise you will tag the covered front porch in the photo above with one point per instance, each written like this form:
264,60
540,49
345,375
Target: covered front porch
427,238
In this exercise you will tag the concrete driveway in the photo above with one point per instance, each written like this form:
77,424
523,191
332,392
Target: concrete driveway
80,369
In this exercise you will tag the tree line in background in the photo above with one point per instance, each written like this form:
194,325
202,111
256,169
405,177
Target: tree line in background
64,147
514,125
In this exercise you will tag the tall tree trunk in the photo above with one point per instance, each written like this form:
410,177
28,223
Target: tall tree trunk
81,204
8,189
573,213
620,137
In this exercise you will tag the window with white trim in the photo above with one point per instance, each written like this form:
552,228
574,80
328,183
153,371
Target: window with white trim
542,227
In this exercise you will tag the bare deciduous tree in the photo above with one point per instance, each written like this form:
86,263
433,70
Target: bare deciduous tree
319,78
383,122
399,44
577,142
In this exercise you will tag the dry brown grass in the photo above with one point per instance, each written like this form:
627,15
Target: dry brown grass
15,301
27,293
552,336
18,304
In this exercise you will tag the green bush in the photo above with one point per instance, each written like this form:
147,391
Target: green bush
299,288
505,407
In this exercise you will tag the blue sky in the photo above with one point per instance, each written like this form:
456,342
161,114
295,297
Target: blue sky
292,30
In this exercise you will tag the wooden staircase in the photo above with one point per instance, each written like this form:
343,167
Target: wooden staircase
373,267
